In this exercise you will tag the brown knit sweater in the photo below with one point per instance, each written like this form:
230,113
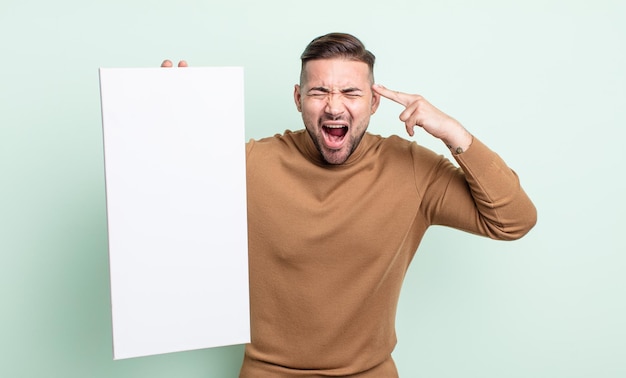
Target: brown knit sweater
329,245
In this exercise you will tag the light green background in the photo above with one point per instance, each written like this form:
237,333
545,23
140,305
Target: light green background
541,82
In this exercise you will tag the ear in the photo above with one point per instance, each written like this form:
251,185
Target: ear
375,101
297,97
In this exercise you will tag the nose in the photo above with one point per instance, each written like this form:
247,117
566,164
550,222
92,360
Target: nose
334,104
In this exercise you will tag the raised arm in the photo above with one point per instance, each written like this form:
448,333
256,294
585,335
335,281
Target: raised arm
485,195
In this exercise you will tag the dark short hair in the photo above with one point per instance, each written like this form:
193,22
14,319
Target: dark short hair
337,45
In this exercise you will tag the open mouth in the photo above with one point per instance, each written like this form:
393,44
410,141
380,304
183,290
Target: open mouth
334,135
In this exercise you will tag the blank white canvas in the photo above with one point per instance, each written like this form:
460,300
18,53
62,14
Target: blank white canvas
174,153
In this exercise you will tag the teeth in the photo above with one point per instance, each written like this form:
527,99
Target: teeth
334,126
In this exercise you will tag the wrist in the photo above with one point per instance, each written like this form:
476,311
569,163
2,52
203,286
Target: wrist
459,141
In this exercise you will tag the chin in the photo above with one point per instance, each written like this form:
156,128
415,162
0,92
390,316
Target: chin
335,157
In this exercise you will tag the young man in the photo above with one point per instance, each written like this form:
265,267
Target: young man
335,215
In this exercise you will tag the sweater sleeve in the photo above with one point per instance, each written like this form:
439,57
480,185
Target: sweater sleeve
483,196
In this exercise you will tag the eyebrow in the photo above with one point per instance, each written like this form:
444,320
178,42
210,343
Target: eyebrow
344,90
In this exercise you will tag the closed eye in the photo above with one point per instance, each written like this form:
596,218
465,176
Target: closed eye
350,93
353,94
317,93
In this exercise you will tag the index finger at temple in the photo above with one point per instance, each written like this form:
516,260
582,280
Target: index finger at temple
399,97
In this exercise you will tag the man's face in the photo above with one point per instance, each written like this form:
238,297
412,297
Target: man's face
336,101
